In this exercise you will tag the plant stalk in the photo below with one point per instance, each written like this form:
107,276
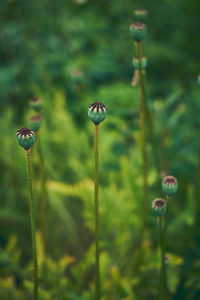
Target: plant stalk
32,219
96,207
44,201
162,284
143,124
149,119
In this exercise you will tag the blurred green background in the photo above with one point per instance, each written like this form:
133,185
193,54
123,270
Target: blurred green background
41,44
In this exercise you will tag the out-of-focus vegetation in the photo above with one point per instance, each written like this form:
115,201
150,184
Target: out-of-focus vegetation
42,43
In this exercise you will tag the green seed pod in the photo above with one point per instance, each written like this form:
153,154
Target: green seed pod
77,76
140,14
35,122
169,185
25,138
135,62
138,31
144,62
159,207
97,112
36,103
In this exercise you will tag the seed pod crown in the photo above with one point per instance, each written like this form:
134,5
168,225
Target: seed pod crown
159,207
169,185
97,112
25,137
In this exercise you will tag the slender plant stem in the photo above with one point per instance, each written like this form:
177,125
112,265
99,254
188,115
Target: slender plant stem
44,201
32,217
197,202
162,284
96,205
149,118
143,123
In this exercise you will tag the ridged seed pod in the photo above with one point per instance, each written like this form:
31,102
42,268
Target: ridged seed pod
140,14
97,112
36,103
25,138
159,207
35,122
138,31
169,185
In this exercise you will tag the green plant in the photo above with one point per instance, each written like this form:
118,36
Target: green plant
97,113
26,139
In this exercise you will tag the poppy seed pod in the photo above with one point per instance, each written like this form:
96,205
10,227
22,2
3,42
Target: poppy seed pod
25,138
135,62
36,103
159,207
97,112
140,14
144,62
169,185
35,122
77,76
138,31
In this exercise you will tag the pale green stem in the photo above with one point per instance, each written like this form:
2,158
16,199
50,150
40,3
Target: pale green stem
44,199
96,205
32,219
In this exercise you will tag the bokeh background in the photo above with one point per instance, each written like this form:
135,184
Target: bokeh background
42,43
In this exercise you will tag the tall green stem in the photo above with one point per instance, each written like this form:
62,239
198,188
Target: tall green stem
149,119
32,218
162,284
44,201
96,205
143,123
197,202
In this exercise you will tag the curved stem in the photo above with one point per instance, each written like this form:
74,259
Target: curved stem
96,207
32,217
44,201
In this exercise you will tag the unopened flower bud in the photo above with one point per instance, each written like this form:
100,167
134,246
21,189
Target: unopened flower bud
25,138
35,122
140,14
159,207
138,31
97,112
36,103
169,185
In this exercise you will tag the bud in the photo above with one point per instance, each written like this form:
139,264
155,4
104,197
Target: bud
159,207
169,185
97,112
140,14
144,62
36,103
25,138
136,64
138,31
35,122
77,76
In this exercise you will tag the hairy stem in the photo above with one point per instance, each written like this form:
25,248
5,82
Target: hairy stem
44,201
32,218
96,205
